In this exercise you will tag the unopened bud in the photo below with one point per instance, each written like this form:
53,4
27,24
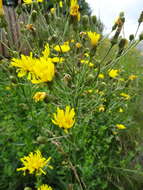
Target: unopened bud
141,37
131,37
34,15
94,19
140,20
122,43
27,188
41,140
85,20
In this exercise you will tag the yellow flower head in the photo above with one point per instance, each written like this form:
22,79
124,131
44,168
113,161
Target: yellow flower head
132,77
39,69
101,76
1,8
39,96
101,108
94,38
52,10
34,163
40,1
113,73
120,126
45,187
78,45
64,119
62,48
27,1
74,9
125,96
61,4
121,110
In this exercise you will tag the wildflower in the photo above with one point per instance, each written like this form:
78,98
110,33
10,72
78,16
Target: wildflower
62,48
64,119
125,96
132,77
86,55
91,64
52,10
74,9
94,38
61,4
78,45
101,108
1,8
45,187
25,64
27,2
120,126
43,71
113,73
35,163
121,110
38,69
101,76
89,91
40,1
30,27
39,96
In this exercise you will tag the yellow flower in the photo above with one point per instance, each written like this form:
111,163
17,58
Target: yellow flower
45,187
46,51
132,77
101,76
91,64
126,96
62,48
43,71
1,8
35,163
64,119
27,1
113,73
61,4
25,64
39,96
52,10
74,9
89,91
120,126
121,110
94,38
40,1
101,108
78,45
39,69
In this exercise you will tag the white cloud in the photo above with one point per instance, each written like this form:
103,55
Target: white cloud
108,10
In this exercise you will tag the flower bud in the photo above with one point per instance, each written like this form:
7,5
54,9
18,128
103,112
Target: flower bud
122,43
94,19
141,37
131,37
34,15
85,20
140,20
41,140
27,188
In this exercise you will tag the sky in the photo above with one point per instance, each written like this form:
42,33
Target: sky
108,11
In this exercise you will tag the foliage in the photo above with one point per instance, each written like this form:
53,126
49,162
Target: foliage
92,140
